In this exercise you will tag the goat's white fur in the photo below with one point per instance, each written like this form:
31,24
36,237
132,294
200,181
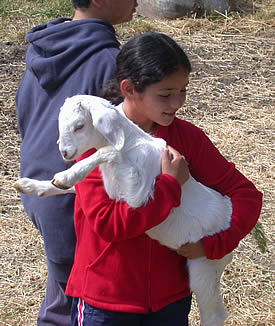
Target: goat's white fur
129,160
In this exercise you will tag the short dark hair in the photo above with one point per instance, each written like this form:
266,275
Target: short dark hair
81,3
144,60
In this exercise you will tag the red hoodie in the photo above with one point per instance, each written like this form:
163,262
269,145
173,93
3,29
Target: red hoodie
117,266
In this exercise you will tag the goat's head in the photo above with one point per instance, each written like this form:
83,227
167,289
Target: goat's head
87,122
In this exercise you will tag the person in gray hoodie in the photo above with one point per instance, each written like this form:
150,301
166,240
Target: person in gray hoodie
65,57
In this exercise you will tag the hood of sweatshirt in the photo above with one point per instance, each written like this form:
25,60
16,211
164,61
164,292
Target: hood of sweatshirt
60,46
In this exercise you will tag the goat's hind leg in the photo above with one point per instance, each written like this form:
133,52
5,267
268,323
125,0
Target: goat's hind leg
205,283
68,178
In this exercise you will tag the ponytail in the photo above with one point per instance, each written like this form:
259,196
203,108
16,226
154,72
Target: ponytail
111,92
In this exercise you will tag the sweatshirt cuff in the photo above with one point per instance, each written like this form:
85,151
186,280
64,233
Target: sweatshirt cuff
173,188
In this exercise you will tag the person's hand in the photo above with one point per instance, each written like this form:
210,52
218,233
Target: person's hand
192,250
174,164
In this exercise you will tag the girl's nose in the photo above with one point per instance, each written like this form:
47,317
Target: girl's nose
177,101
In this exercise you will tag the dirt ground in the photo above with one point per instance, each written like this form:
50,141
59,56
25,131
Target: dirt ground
230,97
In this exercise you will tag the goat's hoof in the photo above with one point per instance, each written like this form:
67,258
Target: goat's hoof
59,185
18,187
25,185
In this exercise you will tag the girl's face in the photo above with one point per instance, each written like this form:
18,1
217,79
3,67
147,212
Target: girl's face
158,104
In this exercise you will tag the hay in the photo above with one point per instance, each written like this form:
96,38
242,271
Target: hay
230,97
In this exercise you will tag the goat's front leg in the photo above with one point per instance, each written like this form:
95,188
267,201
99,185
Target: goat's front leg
68,178
39,188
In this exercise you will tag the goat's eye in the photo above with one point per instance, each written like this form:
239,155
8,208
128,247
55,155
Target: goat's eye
78,127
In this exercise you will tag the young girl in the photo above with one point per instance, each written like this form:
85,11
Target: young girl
121,276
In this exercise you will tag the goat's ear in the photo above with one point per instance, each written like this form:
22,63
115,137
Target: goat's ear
106,120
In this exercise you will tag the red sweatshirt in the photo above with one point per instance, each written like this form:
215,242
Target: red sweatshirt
117,266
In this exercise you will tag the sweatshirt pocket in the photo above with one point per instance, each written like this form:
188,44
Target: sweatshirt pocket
115,277
101,274
100,258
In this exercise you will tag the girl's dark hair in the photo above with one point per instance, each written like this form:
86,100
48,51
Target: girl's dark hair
81,3
144,60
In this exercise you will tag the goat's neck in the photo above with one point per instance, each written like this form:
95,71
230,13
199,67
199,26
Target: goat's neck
140,157
134,135
101,141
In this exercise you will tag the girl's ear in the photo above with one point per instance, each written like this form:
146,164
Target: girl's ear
127,88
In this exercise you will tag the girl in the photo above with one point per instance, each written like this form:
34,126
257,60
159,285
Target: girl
120,276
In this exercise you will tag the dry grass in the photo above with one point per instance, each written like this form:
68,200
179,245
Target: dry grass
231,97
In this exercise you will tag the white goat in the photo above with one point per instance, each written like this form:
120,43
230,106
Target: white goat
129,160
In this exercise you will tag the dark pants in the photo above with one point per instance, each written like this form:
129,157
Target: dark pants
55,309
175,314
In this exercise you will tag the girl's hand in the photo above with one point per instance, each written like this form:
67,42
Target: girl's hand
174,164
192,250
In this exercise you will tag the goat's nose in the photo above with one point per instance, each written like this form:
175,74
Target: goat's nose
64,154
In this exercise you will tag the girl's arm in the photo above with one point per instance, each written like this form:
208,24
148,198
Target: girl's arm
209,167
116,221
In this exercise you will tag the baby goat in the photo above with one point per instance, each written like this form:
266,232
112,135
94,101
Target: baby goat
132,158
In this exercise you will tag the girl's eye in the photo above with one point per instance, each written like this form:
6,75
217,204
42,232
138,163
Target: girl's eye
182,93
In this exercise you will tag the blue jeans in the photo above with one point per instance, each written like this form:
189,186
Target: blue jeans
175,314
